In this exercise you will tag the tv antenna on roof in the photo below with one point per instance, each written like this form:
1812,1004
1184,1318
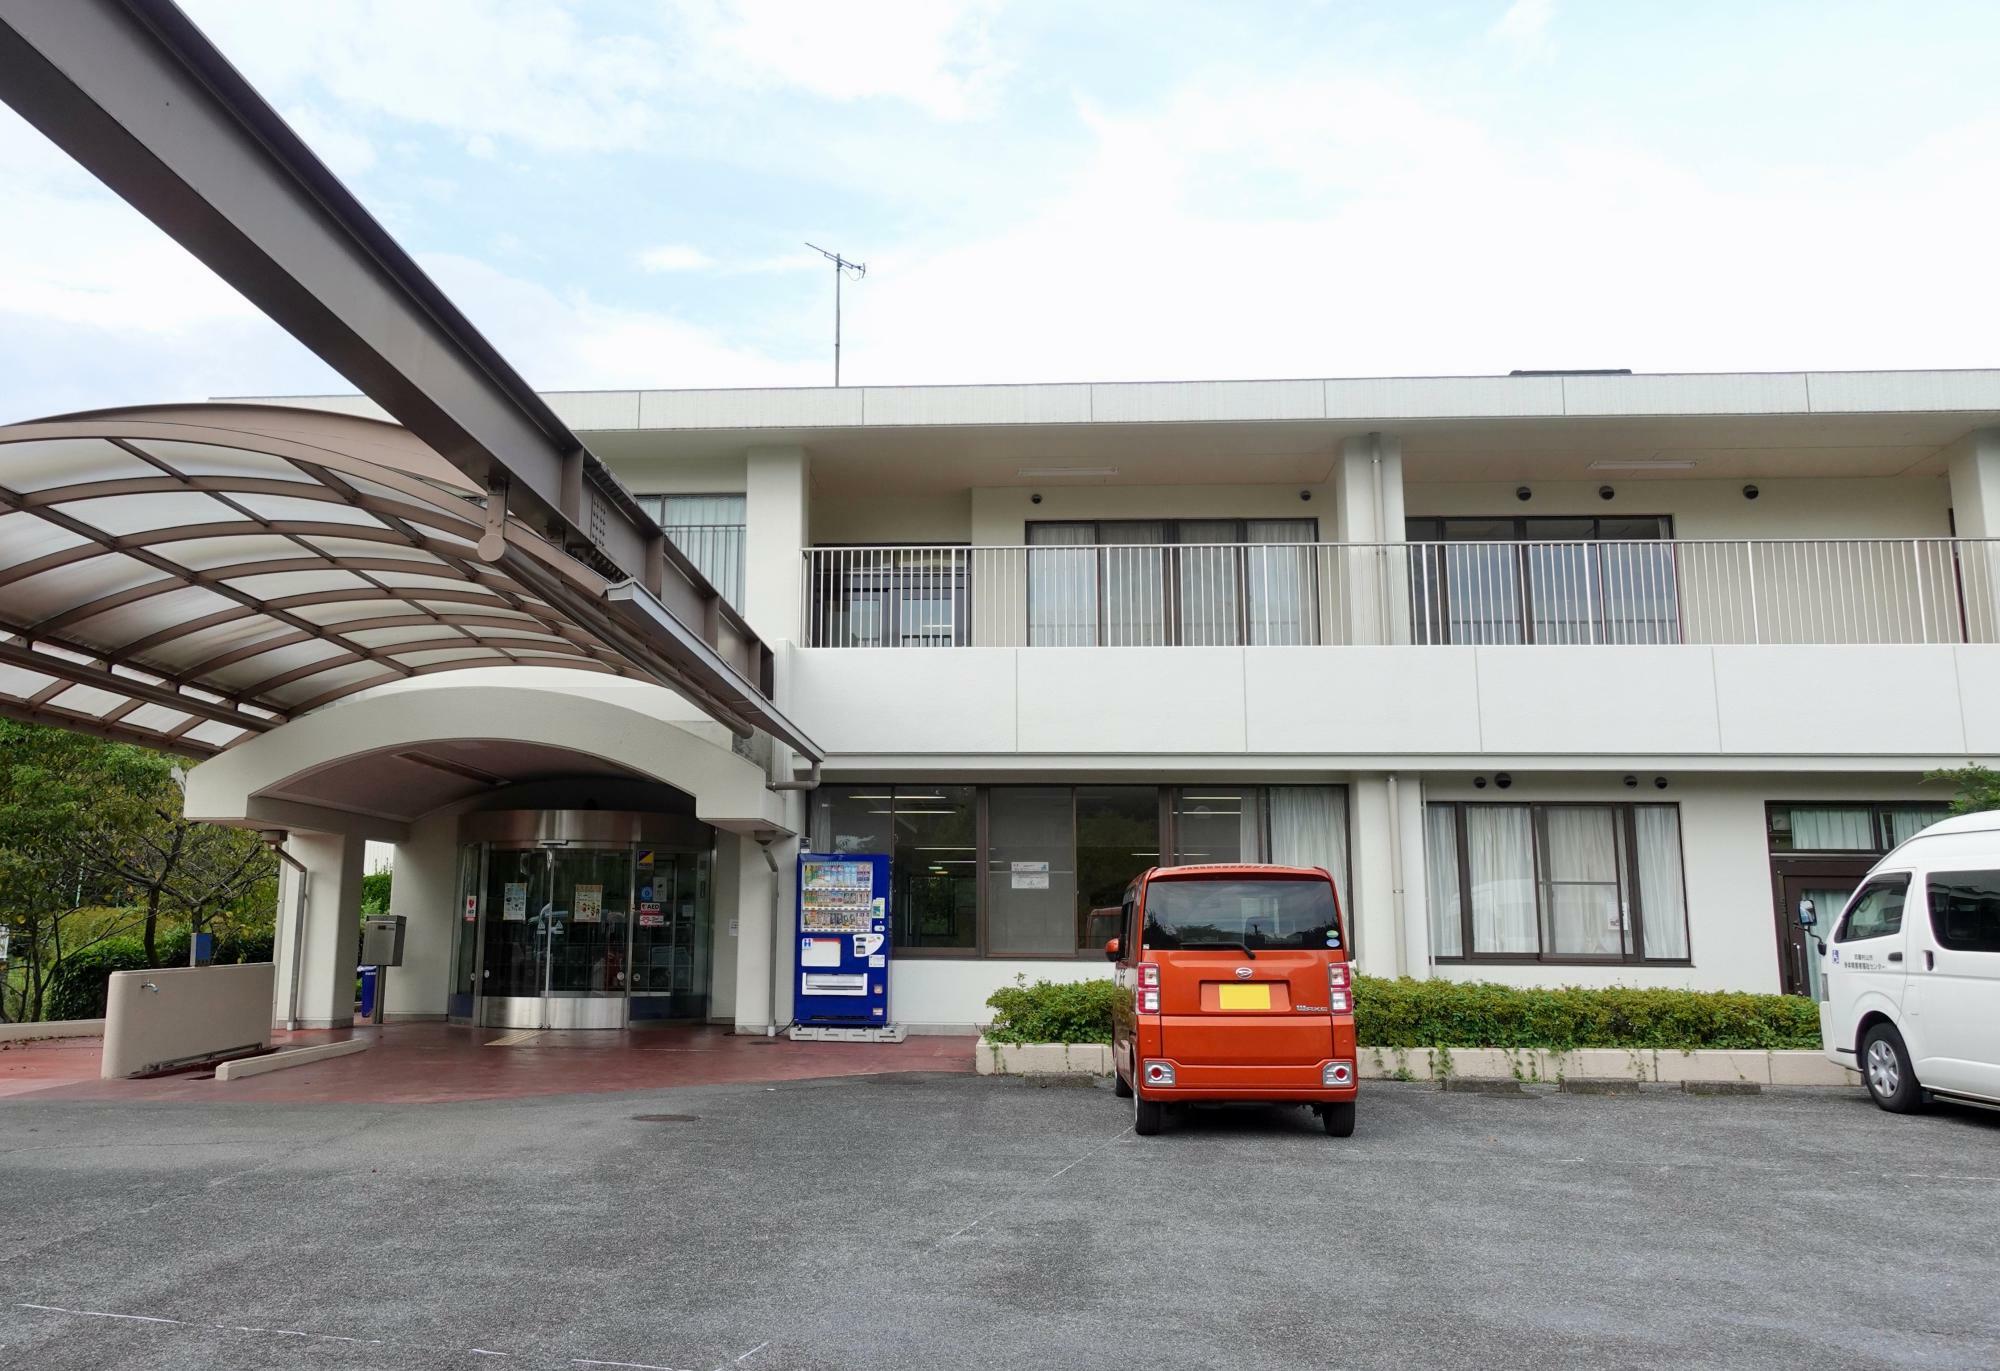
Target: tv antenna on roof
841,267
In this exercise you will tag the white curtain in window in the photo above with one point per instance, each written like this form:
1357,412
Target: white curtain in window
1905,824
1441,874
1135,594
1062,586
1832,830
1309,828
1500,847
708,529
1208,582
1662,889
1585,916
1280,581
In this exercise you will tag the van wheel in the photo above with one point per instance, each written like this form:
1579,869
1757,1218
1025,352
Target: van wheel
1885,1066
1118,1086
1146,1115
1339,1119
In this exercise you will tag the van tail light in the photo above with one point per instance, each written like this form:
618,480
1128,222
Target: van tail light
1337,1074
1149,988
1339,995
1159,1073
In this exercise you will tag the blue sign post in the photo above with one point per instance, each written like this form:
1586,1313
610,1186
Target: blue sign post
843,941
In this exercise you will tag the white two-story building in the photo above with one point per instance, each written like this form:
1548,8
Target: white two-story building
1572,678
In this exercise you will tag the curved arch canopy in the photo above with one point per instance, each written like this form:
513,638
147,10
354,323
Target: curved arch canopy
189,576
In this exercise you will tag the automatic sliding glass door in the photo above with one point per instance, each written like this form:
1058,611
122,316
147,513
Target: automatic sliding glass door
557,938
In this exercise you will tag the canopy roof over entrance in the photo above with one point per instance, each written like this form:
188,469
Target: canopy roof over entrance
189,576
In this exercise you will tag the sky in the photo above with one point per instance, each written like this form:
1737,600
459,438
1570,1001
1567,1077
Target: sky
618,193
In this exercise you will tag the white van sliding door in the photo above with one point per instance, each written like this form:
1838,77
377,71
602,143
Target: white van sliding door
1954,987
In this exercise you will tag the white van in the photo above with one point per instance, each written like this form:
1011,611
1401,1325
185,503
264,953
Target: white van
1910,994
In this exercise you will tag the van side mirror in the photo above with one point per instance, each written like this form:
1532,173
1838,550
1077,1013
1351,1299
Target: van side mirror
1111,951
1808,916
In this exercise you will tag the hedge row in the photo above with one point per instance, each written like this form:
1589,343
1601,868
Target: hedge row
78,987
1442,1013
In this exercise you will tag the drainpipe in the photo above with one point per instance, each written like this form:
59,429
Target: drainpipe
777,913
1396,876
811,781
274,838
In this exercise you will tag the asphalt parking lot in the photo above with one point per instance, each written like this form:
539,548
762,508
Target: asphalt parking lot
948,1221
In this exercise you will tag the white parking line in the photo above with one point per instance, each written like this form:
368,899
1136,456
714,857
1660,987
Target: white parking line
259,1330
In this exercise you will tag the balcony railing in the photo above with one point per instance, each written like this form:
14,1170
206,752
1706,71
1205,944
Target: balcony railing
1844,590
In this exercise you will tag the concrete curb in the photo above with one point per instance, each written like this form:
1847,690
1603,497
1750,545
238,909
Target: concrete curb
1528,1065
297,1056
1042,1059
59,1028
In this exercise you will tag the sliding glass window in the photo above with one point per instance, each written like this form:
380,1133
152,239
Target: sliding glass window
1556,883
1198,582
931,833
1543,580
1014,871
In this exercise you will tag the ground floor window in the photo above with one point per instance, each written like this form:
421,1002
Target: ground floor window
1556,882
1014,871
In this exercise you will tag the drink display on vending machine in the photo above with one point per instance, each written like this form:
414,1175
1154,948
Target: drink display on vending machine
843,949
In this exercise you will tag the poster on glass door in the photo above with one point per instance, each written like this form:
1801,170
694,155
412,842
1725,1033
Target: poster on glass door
514,902
589,904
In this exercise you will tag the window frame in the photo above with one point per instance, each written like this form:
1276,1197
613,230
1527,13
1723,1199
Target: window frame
1632,901
1172,627
1931,879
1904,879
1878,824
1428,568
1164,798
823,591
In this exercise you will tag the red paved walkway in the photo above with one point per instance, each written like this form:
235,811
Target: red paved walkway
427,1062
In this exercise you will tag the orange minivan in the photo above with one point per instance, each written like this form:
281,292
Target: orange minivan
1240,992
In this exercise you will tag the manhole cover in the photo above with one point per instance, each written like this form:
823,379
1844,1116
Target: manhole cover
666,1118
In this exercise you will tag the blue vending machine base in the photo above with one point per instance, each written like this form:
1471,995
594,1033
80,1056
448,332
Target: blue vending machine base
843,941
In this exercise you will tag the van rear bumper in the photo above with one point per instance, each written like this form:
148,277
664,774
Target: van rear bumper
1297,1083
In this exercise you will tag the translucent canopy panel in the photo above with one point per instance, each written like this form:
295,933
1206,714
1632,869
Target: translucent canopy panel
188,576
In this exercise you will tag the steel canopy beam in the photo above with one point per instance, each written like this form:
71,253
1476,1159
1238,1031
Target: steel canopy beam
134,92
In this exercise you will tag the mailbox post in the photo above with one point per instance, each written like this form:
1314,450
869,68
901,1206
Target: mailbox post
381,948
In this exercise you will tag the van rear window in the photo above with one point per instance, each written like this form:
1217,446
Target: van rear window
1251,913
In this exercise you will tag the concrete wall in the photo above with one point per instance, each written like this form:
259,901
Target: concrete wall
927,517
1350,703
425,893
171,1015
931,993
1000,516
1898,507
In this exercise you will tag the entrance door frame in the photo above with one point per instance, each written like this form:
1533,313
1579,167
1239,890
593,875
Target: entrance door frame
1792,940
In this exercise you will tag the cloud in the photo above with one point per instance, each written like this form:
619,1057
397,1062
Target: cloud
571,340
523,70
674,257
935,54
1525,27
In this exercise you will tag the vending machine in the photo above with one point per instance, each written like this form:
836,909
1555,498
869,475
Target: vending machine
843,940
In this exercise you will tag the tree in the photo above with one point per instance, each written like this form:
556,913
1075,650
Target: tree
88,826
1978,787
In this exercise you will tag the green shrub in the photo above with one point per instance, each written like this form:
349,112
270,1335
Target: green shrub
1054,1011
1441,1013
79,985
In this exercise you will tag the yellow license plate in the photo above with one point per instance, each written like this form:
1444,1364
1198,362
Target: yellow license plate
1243,996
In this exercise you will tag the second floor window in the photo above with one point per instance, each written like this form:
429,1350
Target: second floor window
1152,582
1543,580
708,529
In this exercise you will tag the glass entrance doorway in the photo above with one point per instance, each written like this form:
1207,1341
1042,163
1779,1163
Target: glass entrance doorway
586,931
557,937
